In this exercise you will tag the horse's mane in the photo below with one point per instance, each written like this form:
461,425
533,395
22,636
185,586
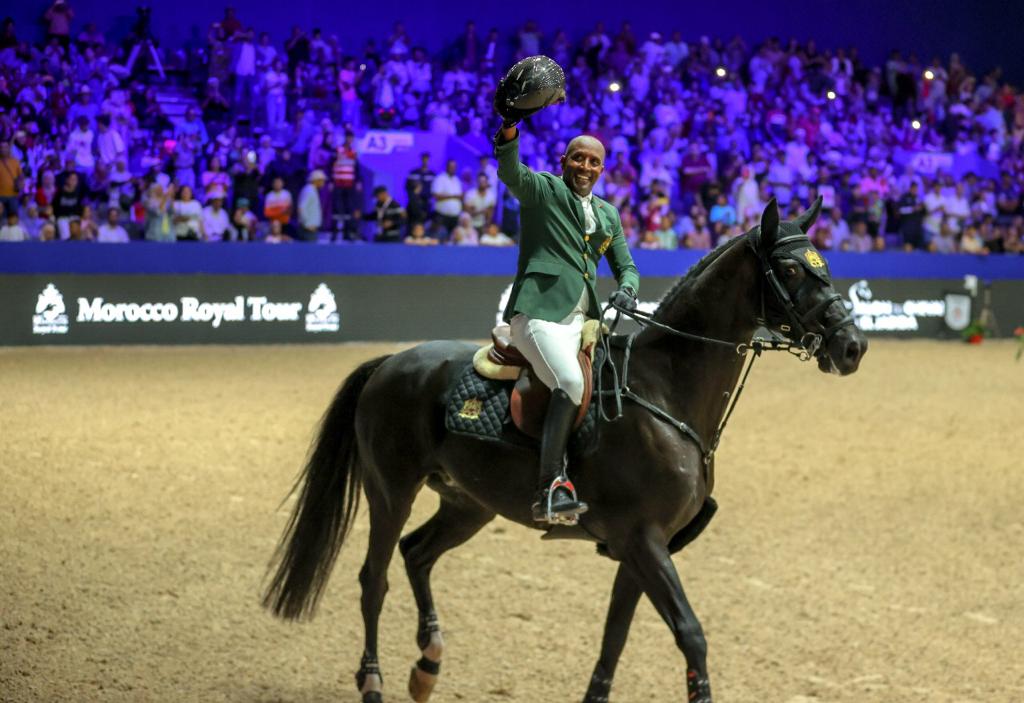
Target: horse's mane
697,269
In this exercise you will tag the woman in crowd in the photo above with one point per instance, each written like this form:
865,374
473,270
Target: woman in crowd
214,178
464,233
187,215
159,197
46,189
88,228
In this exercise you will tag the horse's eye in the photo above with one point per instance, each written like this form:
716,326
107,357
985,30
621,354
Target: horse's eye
789,270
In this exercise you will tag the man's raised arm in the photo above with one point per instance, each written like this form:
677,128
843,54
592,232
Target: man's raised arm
520,179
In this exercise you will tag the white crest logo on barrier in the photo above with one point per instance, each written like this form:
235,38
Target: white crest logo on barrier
51,314
322,311
958,311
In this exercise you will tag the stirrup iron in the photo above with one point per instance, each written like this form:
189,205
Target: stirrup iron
568,518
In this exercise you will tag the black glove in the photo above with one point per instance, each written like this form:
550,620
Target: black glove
623,298
510,116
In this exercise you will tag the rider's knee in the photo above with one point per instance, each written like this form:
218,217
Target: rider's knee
573,387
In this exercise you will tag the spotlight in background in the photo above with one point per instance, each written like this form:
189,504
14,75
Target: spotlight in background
614,87
720,72
929,75
831,95
916,124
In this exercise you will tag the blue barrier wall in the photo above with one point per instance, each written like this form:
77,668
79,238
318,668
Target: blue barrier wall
398,260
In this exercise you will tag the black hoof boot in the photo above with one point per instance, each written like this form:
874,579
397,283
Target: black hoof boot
599,690
698,688
367,667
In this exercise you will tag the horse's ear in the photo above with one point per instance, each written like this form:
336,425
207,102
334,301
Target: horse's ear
769,225
806,219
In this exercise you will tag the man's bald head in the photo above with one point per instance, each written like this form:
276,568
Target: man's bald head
587,141
582,164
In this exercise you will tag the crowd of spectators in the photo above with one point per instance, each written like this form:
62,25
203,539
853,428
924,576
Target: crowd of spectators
700,134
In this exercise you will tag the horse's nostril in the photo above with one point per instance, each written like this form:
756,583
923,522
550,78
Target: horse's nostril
852,351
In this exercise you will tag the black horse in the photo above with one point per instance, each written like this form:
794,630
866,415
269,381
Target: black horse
648,484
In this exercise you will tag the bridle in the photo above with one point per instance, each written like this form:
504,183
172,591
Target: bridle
812,334
806,338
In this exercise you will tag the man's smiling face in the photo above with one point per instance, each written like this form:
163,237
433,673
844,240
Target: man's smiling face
582,164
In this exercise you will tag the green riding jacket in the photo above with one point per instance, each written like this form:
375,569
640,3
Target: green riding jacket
556,258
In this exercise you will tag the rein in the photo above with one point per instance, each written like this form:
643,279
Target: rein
804,350
809,345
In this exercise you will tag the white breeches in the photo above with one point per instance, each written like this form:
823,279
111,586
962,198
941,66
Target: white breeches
553,348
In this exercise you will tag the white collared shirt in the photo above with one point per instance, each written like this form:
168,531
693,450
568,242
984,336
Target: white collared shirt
590,226
589,219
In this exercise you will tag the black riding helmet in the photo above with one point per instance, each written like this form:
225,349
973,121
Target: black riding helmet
529,86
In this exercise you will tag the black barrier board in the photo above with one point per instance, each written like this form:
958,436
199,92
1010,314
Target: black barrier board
233,309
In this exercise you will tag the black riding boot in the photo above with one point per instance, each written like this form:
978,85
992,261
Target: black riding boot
557,426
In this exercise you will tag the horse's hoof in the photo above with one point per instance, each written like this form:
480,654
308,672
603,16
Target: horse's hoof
421,685
598,690
373,697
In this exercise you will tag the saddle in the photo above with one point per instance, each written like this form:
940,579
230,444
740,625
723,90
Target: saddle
528,402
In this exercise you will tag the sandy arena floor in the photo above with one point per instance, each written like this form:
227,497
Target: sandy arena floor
868,547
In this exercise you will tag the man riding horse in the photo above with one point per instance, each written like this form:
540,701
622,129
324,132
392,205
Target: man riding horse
566,229
652,473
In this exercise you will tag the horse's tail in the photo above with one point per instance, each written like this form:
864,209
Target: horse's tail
330,488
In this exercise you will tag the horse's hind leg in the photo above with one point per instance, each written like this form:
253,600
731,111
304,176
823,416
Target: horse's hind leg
388,514
456,520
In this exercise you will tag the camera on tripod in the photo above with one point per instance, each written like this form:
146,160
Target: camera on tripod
143,27
143,31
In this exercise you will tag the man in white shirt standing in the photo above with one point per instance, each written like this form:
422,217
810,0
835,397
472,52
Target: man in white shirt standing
840,228
781,178
480,202
80,143
311,214
245,70
447,192
109,143
275,81
956,207
111,231
653,51
934,208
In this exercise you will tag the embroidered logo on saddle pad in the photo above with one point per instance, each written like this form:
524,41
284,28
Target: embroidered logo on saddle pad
479,407
471,409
